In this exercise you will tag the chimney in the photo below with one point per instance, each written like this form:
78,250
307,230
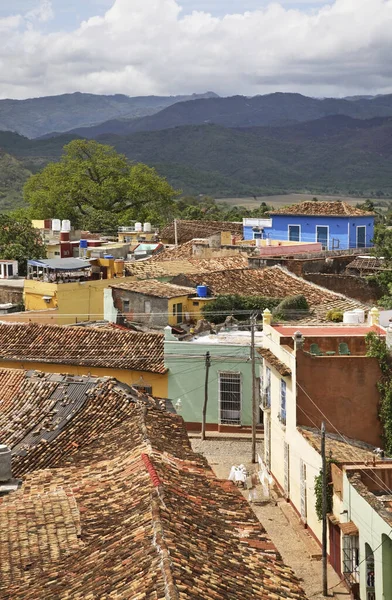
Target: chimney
5,464
298,340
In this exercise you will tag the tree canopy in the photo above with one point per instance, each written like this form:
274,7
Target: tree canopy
93,177
20,241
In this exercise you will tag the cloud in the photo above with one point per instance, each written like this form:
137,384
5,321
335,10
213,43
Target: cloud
42,12
152,47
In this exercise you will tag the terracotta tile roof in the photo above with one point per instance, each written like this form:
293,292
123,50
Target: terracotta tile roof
274,282
348,528
152,287
187,230
381,503
274,362
349,451
331,209
149,269
111,348
118,505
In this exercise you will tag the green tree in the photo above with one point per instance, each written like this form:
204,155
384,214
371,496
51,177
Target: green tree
20,241
93,176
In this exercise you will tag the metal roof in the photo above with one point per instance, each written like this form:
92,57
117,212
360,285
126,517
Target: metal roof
61,264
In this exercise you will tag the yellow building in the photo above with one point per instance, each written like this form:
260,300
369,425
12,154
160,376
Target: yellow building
76,296
134,358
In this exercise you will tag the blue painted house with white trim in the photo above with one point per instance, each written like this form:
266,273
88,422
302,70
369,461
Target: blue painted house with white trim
337,225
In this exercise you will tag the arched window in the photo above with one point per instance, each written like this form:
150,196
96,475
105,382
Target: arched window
370,578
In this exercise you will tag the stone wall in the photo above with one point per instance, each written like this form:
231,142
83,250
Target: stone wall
8,294
358,288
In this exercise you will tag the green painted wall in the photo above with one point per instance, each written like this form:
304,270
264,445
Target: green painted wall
186,364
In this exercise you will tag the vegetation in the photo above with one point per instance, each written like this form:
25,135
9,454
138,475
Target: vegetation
383,248
377,348
240,306
94,177
318,490
20,241
336,316
291,307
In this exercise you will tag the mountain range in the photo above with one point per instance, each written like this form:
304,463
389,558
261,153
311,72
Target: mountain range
223,147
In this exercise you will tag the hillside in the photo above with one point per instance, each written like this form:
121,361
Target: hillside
239,111
331,155
13,176
37,116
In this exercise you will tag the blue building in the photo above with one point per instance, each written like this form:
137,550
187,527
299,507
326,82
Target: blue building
336,225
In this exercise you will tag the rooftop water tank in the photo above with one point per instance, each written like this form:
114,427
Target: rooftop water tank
361,315
202,291
83,244
5,463
65,225
138,227
350,317
147,227
56,225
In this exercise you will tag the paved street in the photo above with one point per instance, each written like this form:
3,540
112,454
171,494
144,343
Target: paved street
293,542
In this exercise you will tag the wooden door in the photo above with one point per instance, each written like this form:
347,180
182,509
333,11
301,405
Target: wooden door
334,548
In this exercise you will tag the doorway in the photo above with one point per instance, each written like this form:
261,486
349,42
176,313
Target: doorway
334,548
322,235
361,236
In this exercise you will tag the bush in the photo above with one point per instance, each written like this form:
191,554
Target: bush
239,306
335,315
291,306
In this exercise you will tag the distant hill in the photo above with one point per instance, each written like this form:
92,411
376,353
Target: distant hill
239,111
333,155
37,116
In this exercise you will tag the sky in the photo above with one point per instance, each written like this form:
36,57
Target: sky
167,47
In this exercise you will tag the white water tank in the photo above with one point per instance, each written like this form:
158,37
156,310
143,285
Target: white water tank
147,227
5,463
56,225
138,227
361,315
65,225
350,317
258,243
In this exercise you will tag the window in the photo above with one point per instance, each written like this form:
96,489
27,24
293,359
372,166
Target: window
361,236
57,253
267,387
230,393
147,306
10,270
195,303
286,470
125,306
145,389
303,491
351,559
283,387
322,235
267,441
294,233
257,235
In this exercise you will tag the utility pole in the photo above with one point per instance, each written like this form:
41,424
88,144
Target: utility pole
324,511
175,233
254,392
203,422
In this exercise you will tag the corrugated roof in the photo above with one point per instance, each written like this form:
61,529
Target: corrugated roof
330,209
61,264
85,346
152,287
118,505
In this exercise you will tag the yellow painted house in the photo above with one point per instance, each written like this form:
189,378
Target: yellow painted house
71,291
134,358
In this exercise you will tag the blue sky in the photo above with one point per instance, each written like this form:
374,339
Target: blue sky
141,47
69,13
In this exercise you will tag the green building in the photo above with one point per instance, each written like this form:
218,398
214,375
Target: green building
229,378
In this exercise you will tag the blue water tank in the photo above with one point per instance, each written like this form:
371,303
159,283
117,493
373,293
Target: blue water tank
202,291
83,243
108,256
